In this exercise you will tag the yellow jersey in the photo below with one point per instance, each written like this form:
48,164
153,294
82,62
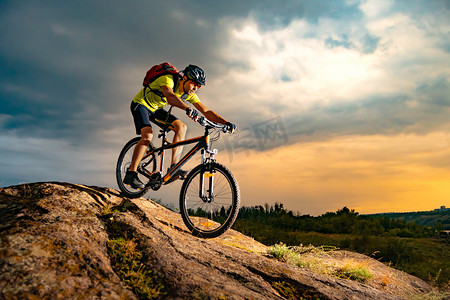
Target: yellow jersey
154,102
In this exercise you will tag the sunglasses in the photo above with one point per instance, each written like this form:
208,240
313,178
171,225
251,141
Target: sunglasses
196,84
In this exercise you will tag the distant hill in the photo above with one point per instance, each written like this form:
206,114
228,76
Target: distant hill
425,218
406,245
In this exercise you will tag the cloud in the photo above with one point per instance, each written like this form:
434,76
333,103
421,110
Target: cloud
314,71
287,58
371,174
335,76
68,59
423,111
37,159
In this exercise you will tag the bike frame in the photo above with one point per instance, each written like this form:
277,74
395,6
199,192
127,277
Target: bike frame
203,143
206,212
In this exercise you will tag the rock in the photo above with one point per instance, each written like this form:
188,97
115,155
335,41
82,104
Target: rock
66,241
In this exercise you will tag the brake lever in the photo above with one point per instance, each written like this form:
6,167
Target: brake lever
200,120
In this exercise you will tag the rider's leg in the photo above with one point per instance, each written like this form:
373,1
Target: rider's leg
141,146
180,133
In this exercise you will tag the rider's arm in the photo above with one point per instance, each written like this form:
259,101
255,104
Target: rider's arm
172,99
209,114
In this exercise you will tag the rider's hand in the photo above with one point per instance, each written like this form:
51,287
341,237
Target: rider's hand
191,112
230,127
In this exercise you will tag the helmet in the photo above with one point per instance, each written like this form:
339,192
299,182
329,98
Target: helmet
195,73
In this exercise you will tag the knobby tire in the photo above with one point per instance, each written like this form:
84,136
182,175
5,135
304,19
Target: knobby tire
209,219
124,162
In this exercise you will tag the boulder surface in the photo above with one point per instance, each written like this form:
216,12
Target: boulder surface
68,241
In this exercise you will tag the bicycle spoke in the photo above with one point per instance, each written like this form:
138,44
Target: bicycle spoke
123,165
193,205
223,190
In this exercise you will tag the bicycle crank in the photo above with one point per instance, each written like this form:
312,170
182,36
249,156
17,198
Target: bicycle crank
155,181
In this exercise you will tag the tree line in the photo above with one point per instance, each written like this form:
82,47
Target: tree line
413,248
343,221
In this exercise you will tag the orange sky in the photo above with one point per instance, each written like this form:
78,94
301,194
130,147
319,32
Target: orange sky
370,174
356,92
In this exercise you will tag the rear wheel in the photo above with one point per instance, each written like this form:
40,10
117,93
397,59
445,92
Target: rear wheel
209,200
146,167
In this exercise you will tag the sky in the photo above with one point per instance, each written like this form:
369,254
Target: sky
337,103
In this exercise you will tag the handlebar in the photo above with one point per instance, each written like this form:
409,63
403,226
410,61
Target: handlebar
207,123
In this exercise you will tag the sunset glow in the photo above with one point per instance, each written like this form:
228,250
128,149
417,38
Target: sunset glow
370,174
337,103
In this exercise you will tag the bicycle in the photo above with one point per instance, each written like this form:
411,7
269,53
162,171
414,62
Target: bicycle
209,197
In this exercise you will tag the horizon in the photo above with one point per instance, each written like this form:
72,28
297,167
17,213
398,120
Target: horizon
447,209
379,213
337,103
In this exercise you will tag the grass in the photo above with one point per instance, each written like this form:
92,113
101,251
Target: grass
421,257
435,295
127,262
291,291
298,256
107,209
287,254
357,273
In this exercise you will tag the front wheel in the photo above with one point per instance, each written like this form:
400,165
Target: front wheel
146,167
209,200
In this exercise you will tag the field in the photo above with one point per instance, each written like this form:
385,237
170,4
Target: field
416,249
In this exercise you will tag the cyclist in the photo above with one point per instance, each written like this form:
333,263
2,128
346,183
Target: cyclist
148,106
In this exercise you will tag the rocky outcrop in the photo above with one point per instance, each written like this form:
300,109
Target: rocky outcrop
66,241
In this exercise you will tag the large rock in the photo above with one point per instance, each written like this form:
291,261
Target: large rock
58,241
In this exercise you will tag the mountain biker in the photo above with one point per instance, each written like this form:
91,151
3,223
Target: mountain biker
147,106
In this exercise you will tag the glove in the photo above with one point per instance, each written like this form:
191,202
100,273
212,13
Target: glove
191,112
230,127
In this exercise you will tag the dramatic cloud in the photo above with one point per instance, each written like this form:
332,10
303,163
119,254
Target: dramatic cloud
289,74
369,173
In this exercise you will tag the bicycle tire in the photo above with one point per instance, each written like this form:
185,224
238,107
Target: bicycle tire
123,164
222,210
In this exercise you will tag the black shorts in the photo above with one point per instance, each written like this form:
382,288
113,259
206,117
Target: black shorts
143,117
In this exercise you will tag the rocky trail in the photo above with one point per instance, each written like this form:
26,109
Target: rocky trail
68,241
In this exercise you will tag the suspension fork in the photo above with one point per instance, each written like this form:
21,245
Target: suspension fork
208,173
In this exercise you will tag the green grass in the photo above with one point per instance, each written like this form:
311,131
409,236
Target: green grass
286,254
291,291
296,255
426,258
127,262
360,274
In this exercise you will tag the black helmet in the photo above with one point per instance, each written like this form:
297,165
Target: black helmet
195,73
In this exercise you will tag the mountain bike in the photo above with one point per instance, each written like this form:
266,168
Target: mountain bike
209,196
